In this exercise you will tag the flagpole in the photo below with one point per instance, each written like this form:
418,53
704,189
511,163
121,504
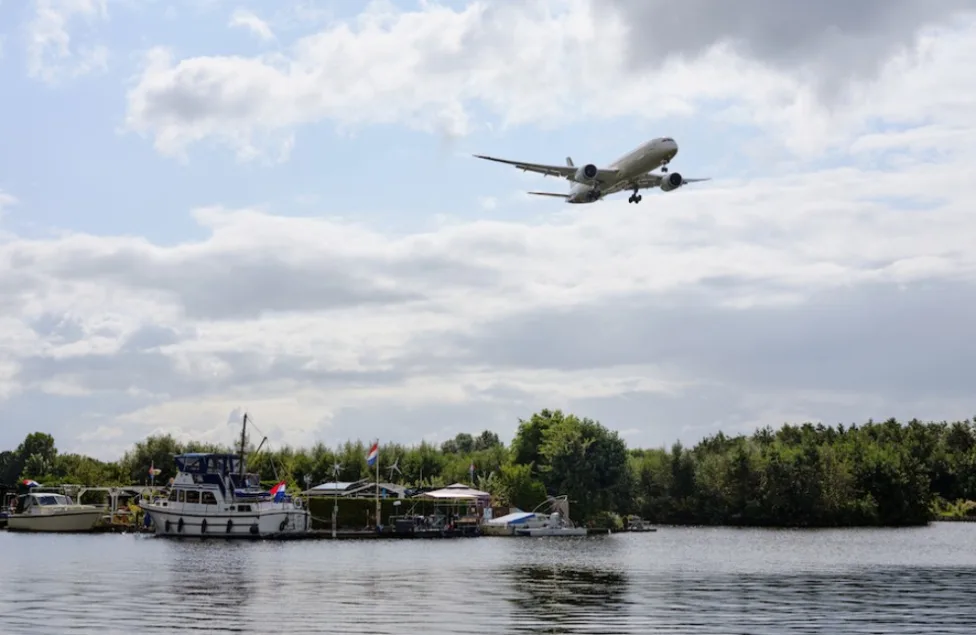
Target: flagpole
377,485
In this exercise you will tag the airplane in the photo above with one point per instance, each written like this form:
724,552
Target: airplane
630,172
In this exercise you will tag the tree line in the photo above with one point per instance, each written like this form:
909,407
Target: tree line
807,475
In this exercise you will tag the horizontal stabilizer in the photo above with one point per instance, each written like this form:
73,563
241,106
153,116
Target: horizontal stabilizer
549,194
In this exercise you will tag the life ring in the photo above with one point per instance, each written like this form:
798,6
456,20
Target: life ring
203,526
179,525
230,524
283,524
254,529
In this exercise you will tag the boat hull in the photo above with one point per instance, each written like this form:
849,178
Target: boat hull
60,522
258,524
538,532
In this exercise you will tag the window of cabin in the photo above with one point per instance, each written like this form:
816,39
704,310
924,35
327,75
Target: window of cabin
192,496
182,496
172,496
243,508
207,498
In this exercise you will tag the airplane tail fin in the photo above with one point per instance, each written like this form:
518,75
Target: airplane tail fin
550,194
569,162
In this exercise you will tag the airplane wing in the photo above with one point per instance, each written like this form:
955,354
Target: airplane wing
645,182
565,171
550,194
649,180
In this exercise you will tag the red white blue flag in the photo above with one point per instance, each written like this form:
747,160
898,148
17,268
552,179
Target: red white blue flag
278,491
374,453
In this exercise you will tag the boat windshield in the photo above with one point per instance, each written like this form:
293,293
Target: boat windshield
52,499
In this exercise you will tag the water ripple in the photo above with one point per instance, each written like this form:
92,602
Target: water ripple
676,581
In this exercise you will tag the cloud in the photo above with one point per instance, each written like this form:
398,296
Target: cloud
50,57
822,294
430,68
6,200
833,41
250,21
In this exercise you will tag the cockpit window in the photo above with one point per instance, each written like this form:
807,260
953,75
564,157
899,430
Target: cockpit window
52,499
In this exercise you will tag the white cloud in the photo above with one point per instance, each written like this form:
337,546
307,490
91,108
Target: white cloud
6,200
250,21
524,63
50,57
327,329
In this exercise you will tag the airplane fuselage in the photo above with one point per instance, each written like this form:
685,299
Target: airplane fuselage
641,160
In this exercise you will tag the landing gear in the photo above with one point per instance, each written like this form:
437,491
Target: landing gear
635,197
664,167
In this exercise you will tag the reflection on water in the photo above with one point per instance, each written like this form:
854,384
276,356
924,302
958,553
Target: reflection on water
556,598
675,581
216,579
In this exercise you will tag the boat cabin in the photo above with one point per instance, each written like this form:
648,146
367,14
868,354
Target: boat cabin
214,480
35,501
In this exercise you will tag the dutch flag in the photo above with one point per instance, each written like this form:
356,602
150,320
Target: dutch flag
278,491
374,453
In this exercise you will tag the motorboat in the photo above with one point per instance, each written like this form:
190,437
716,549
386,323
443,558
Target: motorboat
52,512
555,525
637,524
212,495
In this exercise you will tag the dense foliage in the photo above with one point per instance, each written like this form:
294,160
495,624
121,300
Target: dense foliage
807,475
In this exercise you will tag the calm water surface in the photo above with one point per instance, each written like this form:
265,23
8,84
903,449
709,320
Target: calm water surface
709,581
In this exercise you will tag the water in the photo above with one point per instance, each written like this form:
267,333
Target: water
709,581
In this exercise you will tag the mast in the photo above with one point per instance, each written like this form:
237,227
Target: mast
378,507
243,440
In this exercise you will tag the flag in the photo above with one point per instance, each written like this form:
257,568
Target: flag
374,453
278,491
153,471
471,470
29,482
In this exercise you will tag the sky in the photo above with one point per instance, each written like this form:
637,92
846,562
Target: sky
209,207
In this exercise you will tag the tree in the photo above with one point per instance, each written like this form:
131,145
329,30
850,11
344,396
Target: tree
586,462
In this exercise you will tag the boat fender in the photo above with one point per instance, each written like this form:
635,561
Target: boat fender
167,525
179,525
284,523
203,526
254,529
230,524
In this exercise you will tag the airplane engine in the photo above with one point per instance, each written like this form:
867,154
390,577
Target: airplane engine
586,173
671,182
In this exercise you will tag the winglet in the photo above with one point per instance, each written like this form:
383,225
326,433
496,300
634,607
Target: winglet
569,162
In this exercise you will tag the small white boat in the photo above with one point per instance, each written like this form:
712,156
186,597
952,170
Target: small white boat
51,512
555,525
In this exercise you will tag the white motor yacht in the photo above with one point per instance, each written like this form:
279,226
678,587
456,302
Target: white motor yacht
213,496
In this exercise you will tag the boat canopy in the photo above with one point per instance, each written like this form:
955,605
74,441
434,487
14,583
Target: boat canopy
516,518
201,463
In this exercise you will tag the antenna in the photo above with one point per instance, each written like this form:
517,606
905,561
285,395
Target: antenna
243,439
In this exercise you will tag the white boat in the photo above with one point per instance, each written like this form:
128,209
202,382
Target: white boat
555,525
213,496
52,512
